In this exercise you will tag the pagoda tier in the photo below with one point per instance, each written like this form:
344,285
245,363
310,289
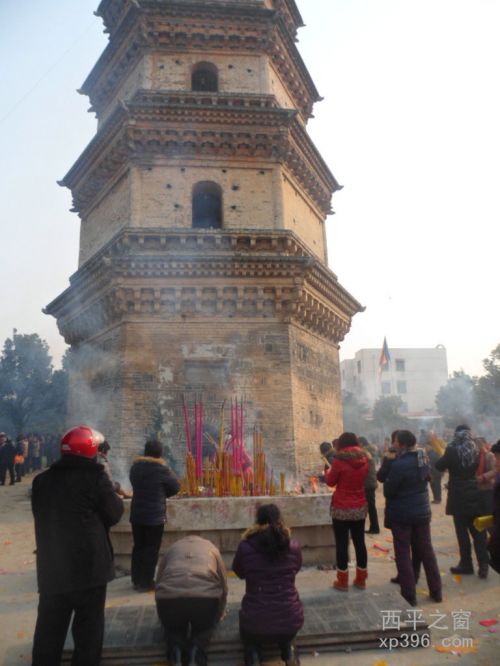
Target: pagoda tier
203,276
193,126
144,31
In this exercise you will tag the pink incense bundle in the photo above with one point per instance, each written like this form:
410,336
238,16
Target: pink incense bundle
186,424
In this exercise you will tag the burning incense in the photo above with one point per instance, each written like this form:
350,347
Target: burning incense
186,423
221,433
230,471
198,429
196,442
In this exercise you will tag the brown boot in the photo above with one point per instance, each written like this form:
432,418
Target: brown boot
361,576
342,582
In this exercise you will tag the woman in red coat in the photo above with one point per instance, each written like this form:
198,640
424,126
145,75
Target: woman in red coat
349,507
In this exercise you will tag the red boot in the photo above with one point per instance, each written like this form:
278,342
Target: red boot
361,576
342,582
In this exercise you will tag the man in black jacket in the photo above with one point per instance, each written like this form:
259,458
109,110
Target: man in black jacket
74,505
465,500
7,455
152,482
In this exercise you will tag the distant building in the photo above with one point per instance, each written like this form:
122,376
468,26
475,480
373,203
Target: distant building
415,375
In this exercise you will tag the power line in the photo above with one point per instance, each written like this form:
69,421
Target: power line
45,74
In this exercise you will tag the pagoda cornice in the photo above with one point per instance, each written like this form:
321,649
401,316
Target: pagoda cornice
235,108
139,276
290,13
113,12
147,29
131,241
196,126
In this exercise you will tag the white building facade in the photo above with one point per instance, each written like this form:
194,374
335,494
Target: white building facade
415,375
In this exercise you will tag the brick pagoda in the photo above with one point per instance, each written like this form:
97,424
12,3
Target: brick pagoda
203,259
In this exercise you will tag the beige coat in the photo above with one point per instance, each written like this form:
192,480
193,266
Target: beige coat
192,568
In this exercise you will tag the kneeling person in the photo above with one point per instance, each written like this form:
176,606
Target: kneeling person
268,560
191,593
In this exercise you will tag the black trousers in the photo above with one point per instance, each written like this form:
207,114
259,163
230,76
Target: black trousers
464,525
372,510
4,467
255,642
18,470
356,528
147,542
436,486
54,616
188,621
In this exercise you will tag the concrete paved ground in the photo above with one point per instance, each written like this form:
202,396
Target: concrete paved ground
466,601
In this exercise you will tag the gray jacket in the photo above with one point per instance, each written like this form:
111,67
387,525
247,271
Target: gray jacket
192,568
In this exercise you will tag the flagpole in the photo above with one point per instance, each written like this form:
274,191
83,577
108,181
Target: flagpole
376,379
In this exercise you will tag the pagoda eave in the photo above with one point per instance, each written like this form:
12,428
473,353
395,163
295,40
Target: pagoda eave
205,283
113,12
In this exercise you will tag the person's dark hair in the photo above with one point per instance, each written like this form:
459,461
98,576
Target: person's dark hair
462,427
406,438
394,434
496,447
104,447
153,449
275,540
324,447
347,439
363,441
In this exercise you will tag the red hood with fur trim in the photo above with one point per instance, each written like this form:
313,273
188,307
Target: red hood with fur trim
348,473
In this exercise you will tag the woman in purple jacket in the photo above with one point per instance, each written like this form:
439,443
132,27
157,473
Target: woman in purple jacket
271,610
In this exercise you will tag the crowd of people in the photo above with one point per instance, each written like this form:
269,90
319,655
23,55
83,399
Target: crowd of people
76,501
27,453
406,471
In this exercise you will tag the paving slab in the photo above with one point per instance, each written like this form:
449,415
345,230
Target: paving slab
332,620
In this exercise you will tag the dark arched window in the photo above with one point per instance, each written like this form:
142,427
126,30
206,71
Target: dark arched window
204,77
207,205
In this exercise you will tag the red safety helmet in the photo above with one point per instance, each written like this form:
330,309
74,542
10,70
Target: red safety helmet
81,441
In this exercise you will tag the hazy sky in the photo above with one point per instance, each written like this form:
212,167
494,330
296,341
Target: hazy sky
410,125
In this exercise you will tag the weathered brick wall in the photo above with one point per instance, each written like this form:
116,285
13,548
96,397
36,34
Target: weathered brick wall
236,73
277,88
107,217
300,217
163,361
163,197
317,408
287,378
